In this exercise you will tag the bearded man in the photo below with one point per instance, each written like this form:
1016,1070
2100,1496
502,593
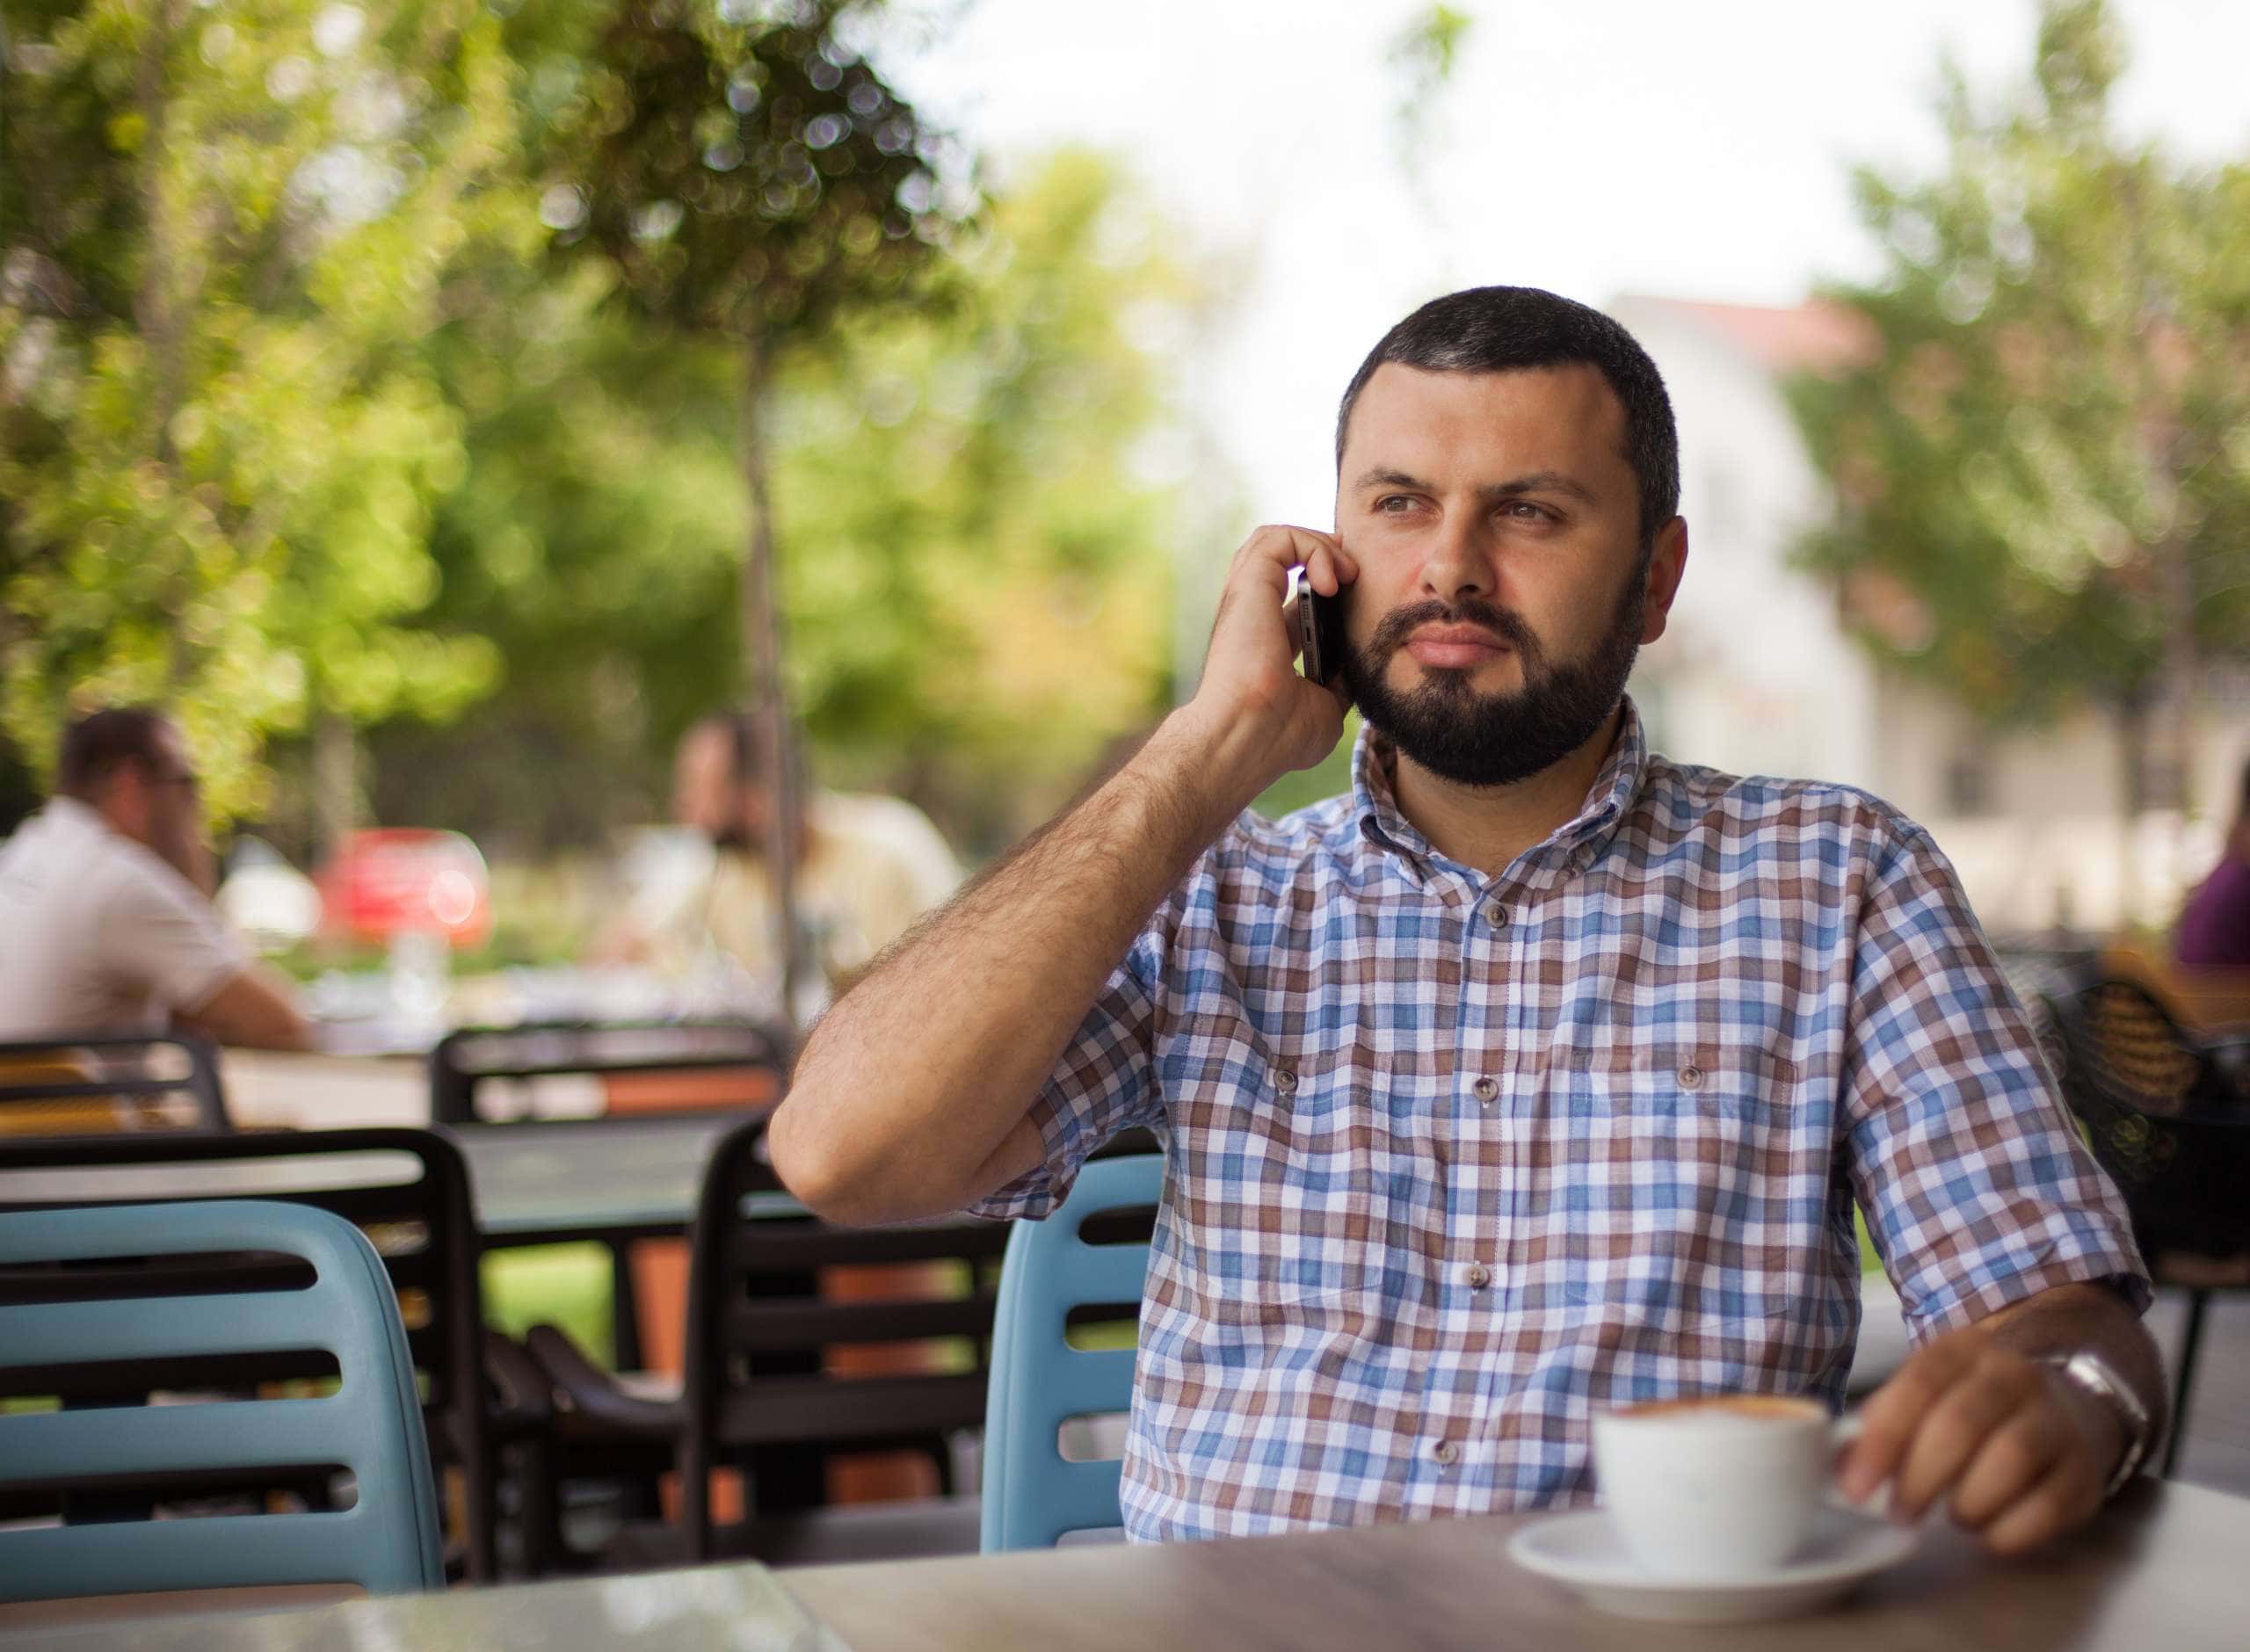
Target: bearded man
1538,1075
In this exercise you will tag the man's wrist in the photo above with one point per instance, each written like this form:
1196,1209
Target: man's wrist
1223,764
2128,1431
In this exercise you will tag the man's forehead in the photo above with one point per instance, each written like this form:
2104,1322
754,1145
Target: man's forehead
1564,417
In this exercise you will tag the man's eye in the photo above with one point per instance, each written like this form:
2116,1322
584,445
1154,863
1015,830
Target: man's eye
1393,503
1524,511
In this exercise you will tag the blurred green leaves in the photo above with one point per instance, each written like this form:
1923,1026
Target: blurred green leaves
2044,495
974,498
374,361
228,232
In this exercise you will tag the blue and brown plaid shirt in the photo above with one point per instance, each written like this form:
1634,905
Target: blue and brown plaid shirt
1453,1159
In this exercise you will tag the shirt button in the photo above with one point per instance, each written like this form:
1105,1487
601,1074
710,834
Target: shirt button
1486,1089
1284,1080
1445,1454
1496,915
1476,1276
1691,1077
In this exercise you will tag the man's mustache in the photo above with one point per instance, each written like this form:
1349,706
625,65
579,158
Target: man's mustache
1401,623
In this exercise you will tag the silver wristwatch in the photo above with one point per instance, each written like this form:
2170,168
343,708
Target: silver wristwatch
2092,1374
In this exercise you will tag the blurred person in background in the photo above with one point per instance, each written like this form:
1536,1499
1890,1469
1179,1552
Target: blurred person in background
868,866
106,902
2214,931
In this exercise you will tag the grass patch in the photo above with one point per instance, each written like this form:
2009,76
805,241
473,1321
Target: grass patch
566,1286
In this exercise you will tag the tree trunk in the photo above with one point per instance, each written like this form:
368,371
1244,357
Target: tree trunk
2133,734
761,651
2177,568
336,782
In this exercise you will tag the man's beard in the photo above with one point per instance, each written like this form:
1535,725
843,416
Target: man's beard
1475,739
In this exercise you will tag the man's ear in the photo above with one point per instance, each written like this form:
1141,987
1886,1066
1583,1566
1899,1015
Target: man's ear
1667,562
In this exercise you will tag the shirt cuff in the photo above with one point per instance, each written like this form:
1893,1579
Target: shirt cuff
2091,1260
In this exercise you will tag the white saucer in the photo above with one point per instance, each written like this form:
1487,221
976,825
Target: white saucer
1583,1552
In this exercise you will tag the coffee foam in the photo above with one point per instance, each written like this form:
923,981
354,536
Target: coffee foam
1727,1411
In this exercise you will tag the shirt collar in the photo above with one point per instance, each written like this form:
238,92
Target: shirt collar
78,817
1616,785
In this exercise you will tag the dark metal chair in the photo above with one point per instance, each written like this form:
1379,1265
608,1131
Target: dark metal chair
407,1190
2172,1128
762,1392
471,1057
670,1067
95,1084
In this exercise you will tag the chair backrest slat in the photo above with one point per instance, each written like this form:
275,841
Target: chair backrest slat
783,1246
757,1327
252,1324
64,1077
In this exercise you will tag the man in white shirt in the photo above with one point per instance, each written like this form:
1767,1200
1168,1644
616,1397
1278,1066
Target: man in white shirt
106,917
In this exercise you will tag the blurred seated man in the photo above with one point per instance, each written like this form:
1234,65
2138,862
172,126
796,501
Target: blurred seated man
2214,931
105,901
866,867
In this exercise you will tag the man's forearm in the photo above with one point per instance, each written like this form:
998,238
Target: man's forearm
912,1082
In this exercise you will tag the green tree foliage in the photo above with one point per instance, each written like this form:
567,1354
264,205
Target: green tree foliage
2041,467
979,500
226,232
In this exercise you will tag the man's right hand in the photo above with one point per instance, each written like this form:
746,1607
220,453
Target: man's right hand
1250,685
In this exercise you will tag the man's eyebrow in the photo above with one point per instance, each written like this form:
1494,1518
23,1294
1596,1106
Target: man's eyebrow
1540,482
1537,482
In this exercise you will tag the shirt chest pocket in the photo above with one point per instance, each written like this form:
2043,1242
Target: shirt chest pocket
1670,1175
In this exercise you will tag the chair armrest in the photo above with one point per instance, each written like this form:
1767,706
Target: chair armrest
522,1394
588,1402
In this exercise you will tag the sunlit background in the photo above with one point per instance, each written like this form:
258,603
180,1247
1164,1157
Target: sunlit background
374,382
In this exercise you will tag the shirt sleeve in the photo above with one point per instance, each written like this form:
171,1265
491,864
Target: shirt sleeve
1978,1188
157,934
1105,1081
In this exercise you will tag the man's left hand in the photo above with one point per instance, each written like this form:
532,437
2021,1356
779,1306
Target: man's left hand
2022,1453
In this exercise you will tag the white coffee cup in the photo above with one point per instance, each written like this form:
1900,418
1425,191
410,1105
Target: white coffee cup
1719,1488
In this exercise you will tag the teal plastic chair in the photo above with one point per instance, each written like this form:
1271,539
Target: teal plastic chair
1032,1495
74,1328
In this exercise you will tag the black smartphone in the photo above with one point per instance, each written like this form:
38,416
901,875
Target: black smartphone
1319,627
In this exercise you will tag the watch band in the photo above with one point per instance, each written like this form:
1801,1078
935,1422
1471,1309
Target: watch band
2094,1375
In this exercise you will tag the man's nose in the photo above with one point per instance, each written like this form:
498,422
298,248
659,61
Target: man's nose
1458,563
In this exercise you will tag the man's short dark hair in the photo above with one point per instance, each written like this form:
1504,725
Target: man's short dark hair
1518,329
95,744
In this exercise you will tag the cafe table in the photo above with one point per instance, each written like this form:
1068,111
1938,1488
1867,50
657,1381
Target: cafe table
2166,1566
531,1184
